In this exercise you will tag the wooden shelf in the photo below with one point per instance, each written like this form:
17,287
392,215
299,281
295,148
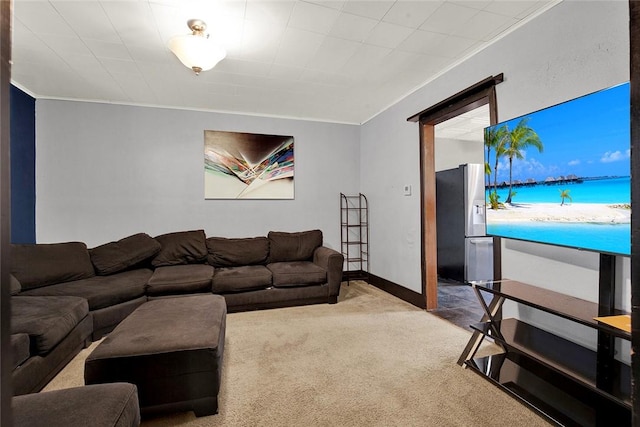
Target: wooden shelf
355,275
563,402
566,306
559,355
569,384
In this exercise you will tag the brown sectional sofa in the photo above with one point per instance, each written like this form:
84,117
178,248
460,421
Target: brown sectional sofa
103,405
47,332
65,295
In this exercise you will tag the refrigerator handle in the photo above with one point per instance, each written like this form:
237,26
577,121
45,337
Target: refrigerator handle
480,241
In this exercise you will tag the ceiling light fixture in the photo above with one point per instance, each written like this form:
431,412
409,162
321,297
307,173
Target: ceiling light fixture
196,50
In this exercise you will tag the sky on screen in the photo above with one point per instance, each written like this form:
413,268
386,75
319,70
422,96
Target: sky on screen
587,137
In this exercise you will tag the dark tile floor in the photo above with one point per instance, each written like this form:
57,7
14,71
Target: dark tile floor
458,304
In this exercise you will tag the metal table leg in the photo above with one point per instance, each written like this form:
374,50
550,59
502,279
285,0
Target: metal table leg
491,311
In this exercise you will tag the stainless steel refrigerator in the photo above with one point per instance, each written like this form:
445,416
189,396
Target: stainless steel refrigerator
465,253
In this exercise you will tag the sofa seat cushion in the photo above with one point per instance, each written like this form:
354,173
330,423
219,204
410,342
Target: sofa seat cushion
237,252
19,349
234,279
113,257
182,247
47,320
296,273
101,291
293,246
39,265
102,405
180,279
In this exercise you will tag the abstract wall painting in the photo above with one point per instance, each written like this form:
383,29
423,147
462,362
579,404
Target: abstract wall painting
247,166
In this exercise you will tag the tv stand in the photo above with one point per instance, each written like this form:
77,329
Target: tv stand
563,381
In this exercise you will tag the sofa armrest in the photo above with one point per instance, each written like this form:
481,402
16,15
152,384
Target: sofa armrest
332,261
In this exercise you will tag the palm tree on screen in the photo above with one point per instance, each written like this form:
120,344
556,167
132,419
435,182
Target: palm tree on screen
494,138
519,139
564,194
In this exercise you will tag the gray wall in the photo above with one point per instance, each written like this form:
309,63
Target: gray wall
140,168
106,171
450,153
571,50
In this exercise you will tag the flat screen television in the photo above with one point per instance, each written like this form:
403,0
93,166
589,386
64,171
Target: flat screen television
562,176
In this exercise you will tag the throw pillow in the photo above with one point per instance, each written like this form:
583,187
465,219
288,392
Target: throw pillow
42,264
113,257
225,252
183,247
293,246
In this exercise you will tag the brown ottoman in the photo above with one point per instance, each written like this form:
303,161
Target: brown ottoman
171,349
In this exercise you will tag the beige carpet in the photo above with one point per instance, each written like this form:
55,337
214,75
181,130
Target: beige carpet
370,360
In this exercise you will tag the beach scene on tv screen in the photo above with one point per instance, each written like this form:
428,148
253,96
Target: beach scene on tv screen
562,175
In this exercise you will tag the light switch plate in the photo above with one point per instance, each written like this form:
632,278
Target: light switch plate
407,190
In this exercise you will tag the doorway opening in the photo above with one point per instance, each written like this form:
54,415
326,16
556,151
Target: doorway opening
481,94
464,253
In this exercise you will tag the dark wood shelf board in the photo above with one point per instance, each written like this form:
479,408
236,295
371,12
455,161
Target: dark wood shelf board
559,399
562,305
355,275
560,355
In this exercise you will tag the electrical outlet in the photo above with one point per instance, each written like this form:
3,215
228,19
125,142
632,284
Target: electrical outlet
407,190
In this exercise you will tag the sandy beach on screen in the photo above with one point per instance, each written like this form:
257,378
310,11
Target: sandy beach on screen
570,212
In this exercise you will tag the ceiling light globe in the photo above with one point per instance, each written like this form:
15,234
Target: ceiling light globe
196,51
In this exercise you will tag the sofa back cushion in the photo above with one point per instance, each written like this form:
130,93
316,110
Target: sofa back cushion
183,247
293,246
41,264
113,257
225,252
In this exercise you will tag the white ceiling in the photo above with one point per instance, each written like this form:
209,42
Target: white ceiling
468,126
338,61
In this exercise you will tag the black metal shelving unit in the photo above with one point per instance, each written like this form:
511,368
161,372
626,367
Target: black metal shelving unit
354,236
569,384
